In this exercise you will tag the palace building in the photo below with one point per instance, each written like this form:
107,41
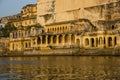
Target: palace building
90,24
27,17
20,39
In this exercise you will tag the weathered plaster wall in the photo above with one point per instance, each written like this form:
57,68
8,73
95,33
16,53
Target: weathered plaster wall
64,5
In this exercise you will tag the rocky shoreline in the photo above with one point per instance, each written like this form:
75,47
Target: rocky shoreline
63,52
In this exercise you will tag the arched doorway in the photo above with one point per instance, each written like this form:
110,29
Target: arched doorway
54,39
86,42
60,39
43,39
38,40
49,40
109,41
92,42
73,38
66,38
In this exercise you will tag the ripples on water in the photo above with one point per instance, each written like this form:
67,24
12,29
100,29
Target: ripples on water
60,68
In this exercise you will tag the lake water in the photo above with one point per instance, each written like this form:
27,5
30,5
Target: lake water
60,68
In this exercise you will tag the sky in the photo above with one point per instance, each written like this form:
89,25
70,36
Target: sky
11,7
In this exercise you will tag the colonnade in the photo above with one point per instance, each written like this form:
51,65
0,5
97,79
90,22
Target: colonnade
58,29
56,40
101,42
19,34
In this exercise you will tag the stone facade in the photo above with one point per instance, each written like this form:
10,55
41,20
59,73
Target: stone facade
27,16
93,24
45,11
50,11
4,43
20,39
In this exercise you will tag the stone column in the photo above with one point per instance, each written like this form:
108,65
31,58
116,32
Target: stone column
70,42
36,42
63,39
51,41
57,39
95,44
41,39
17,34
46,39
90,42
113,39
106,42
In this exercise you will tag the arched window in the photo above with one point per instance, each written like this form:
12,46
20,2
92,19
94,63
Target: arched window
66,38
113,27
38,40
92,41
86,42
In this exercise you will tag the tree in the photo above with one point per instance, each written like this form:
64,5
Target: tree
36,25
8,28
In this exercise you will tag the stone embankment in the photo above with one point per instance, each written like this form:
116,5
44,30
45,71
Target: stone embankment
64,52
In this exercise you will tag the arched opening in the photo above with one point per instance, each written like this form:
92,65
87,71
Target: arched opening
92,41
66,38
48,30
49,39
43,39
110,41
115,40
86,42
26,46
53,30
54,39
113,27
60,39
78,42
96,42
73,38
38,40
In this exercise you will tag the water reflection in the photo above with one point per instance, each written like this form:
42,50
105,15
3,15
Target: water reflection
60,68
